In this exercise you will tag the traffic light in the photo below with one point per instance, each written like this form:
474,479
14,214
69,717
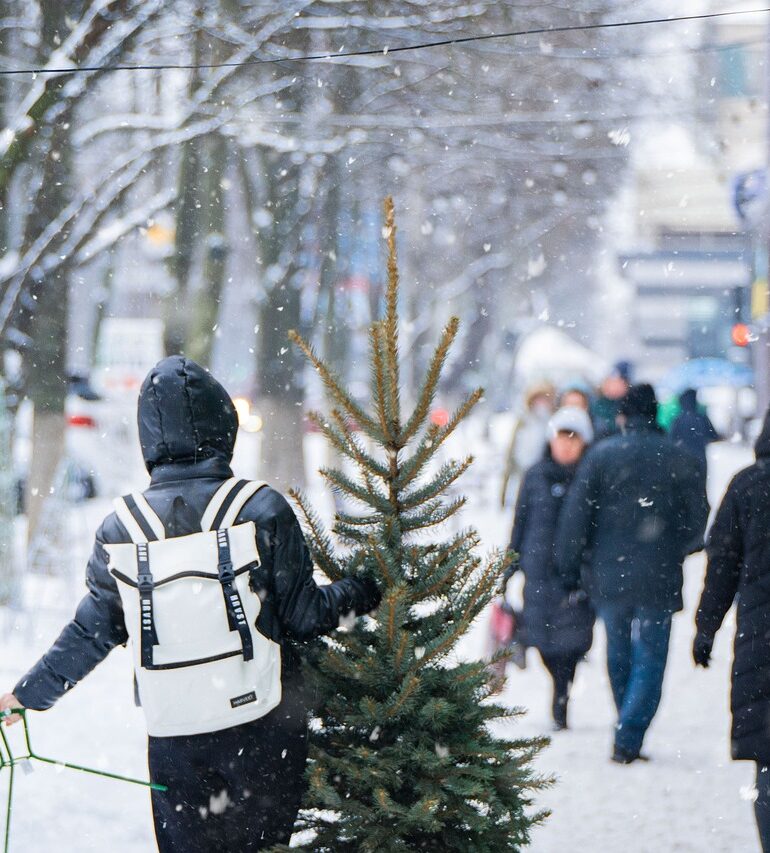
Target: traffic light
741,335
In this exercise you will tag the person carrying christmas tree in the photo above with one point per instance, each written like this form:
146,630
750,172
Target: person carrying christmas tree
211,579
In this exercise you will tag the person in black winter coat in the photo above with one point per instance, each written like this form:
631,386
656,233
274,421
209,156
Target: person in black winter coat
558,624
692,429
238,788
636,509
738,552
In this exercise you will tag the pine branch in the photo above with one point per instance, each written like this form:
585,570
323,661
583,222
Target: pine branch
480,593
365,461
334,387
379,391
434,438
358,520
428,391
342,482
391,320
320,542
449,569
352,535
377,553
449,473
408,688
392,607
330,434
435,513
422,455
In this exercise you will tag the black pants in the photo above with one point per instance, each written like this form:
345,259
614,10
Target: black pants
561,668
762,806
235,789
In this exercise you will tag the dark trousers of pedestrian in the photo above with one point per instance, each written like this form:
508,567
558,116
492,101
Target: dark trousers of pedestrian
561,668
238,789
637,649
762,806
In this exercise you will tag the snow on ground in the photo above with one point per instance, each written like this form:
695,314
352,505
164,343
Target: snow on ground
690,797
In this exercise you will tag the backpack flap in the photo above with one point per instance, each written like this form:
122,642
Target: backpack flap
196,616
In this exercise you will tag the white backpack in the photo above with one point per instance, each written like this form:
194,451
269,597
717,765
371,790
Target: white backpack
201,665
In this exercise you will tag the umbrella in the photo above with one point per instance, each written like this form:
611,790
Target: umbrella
707,373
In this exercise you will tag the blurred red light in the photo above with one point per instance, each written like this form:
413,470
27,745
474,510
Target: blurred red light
741,335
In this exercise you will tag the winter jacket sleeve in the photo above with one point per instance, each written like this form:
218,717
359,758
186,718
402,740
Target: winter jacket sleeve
97,628
691,483
725,559
305,609
520,520
576,522
521,513
711,432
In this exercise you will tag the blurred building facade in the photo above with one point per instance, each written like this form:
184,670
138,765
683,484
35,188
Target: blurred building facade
699,264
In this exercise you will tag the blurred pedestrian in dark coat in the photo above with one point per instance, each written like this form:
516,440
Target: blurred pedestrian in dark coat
637,507
606,407
558,624
692,429
739,570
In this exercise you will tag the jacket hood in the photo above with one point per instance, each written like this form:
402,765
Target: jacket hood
688,400
762,445
184,415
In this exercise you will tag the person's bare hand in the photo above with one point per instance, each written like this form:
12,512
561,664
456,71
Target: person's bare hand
8,701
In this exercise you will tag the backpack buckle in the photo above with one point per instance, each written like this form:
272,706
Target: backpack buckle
144,582
226,573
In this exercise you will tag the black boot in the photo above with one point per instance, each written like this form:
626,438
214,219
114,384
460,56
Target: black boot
620,756
559,711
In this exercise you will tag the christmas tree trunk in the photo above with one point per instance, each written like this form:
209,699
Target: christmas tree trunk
402,757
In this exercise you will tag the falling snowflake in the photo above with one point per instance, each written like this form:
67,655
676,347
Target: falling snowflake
620,137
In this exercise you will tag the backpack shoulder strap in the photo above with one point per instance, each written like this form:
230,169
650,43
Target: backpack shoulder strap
249,489
139,518
220,498
228,501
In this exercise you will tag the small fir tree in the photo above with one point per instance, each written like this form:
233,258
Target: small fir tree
403,757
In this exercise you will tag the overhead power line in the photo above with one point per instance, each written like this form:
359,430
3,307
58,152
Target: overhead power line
385,50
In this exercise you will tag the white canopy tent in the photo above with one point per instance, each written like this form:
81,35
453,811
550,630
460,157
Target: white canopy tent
549,353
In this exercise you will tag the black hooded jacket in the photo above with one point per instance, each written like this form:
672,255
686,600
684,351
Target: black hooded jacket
636,508
738,551
692,430
187,429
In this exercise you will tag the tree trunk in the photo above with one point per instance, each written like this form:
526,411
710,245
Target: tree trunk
45,312
281,397
281,460
206,307
188,222
47,450
10,576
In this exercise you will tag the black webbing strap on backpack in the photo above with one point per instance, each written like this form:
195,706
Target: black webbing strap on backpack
145,585
236,617
140,518
228,502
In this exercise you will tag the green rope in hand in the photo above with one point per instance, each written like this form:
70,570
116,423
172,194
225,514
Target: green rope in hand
9,760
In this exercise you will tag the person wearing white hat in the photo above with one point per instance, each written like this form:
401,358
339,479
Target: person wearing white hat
558,624
570,422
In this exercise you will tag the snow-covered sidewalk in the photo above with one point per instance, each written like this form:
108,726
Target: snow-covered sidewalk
690,797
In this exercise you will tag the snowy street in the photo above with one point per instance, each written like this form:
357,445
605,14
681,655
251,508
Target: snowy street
690,797
410,267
